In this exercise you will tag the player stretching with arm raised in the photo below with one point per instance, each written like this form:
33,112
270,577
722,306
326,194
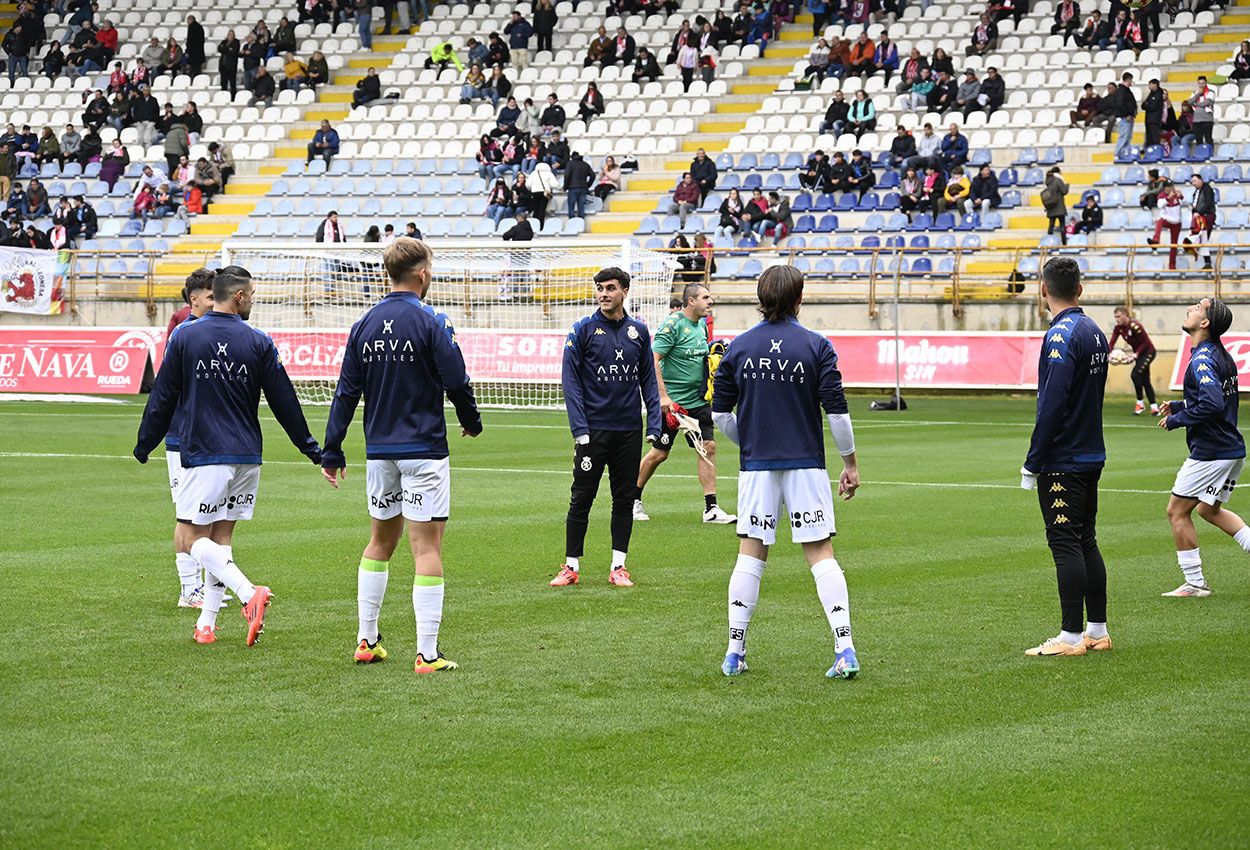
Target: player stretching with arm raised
681,349
779,376
198,294
1217,451
215,370
1066,457
608,369
402,357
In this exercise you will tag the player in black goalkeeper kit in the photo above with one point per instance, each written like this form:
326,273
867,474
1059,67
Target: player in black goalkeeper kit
608,371
1066,457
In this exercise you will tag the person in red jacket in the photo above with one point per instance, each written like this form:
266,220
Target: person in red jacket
686,197
1143,355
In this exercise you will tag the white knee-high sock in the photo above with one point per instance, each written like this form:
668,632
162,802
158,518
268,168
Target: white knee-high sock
427,604
370,589
831,588
214,592
1191,565
188,572
216,559
1243,538
744,593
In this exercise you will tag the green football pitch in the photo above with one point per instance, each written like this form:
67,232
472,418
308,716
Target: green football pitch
598,717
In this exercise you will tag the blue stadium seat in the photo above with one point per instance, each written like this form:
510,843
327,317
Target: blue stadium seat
132,227
846,203
945,241
874,221
1032,177
1226,152
991,221
669,224
123,189
775,181
770,162
71,169
1012,199
1028,156
869,202
1115,220
104,208
944,221
793,161
1110,174
1129,154
727,267
482,226
649,225
1210,173
370,207
1132,176
392,208
1200,153
49,170
802,264
920,240
1008,177
247,227
792,183
92,169
1052,156
896,265
747,162
922,221
752,268
267,228
870,242
796,242
1050,240
654,243
285,208
1232,196
553,227
1151,154
849,266
889,180
843,241
177,227
576,227
752,181
820,242
724,162
896,221
1113,198
805,224
317,167
403,168
827,224
980,157
748,241
1232,174
969,221
895,241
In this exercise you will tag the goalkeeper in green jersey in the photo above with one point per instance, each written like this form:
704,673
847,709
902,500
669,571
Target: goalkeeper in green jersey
680,348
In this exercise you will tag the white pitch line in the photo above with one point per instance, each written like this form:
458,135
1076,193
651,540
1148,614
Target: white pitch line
505,470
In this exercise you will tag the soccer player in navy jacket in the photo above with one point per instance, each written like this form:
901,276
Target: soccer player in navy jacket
213,374
1217,451
608,374
1066,457
403,358
780,376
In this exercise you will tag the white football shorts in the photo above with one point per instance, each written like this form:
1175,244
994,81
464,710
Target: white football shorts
174,461
1208,481
419,488
805,493
207,494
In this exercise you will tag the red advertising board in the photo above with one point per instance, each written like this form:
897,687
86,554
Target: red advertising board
1238,346
940,360
75,360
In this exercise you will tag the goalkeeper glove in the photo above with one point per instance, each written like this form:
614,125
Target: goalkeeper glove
1028,480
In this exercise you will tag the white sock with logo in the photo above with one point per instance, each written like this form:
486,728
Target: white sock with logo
836,599
216,559
1191,565
214,593
1096,630
744,593
573,564
618,559
371,579
427,604
188,572
1243,538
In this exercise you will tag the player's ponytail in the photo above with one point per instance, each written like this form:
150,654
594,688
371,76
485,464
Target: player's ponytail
1219,320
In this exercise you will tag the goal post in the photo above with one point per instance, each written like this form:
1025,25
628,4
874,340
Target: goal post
511,304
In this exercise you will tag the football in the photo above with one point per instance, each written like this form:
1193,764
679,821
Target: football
1119,358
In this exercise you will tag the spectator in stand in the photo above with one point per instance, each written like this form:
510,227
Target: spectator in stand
92,149
1203,221
931,189
533,154
761,29
144,114
910,188
264,38
318,70
443,55
1091,216
861,56
902,148
1241,63
731,211
646,69
17,45
368,89
474,86
599,51
36,204
1154,188
330,230
1095,31
252,53
71,144
984,192
918,94
839,58
941,99
497,53
53,61
837,115
911,72
687,62
557,152
1054,201
1067,19
756,214
284,40
533,199
993,92
860,177
475,52
228,62
172,59
723,27
1183,127
685,35
545,19
1116,34
553,116
153,53
704,172
839,174
177,145
954,148
294,73
741,25
578,177
114,164
506,119
818,61
966,94
609,179
388,235
1152,106
412,231
527,123
519,32
497,86
1168,204
591,104
85,220
928,149
522,230
686,197
941,61
1131,37
206,178
815,172
182,174
984,37
1126,114
500,203
885,57
262,87
364,22
219,155
119,112
819,10
861,116
84,12
119,82
1204,112
1105,116
624,48
49,148
324,144
958,190
780,221
1086,108
16,200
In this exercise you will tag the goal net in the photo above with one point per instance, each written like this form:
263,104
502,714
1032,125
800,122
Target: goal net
511,305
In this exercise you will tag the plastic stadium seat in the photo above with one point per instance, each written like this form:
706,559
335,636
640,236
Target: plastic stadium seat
725,162
821,242
823,203
1008,177
1232,174
991,221
747,162
1032,177
752,181
805,224
770,162
1226,152
795,161
1152,154
869,202
922,221
802,203
177,227
827,224
846,203
1012,199
849,266
972,240
751,269
1053,155
889,180
729,181
1200,153
1028,156
875,221
1129,154
969,221
132,228
980,157
919,241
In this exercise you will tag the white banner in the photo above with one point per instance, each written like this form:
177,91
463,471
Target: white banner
30,281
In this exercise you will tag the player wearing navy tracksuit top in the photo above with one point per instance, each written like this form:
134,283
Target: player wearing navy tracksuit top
215,370
779,377
608,375
1217,451
402,357
1066,457
198,294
